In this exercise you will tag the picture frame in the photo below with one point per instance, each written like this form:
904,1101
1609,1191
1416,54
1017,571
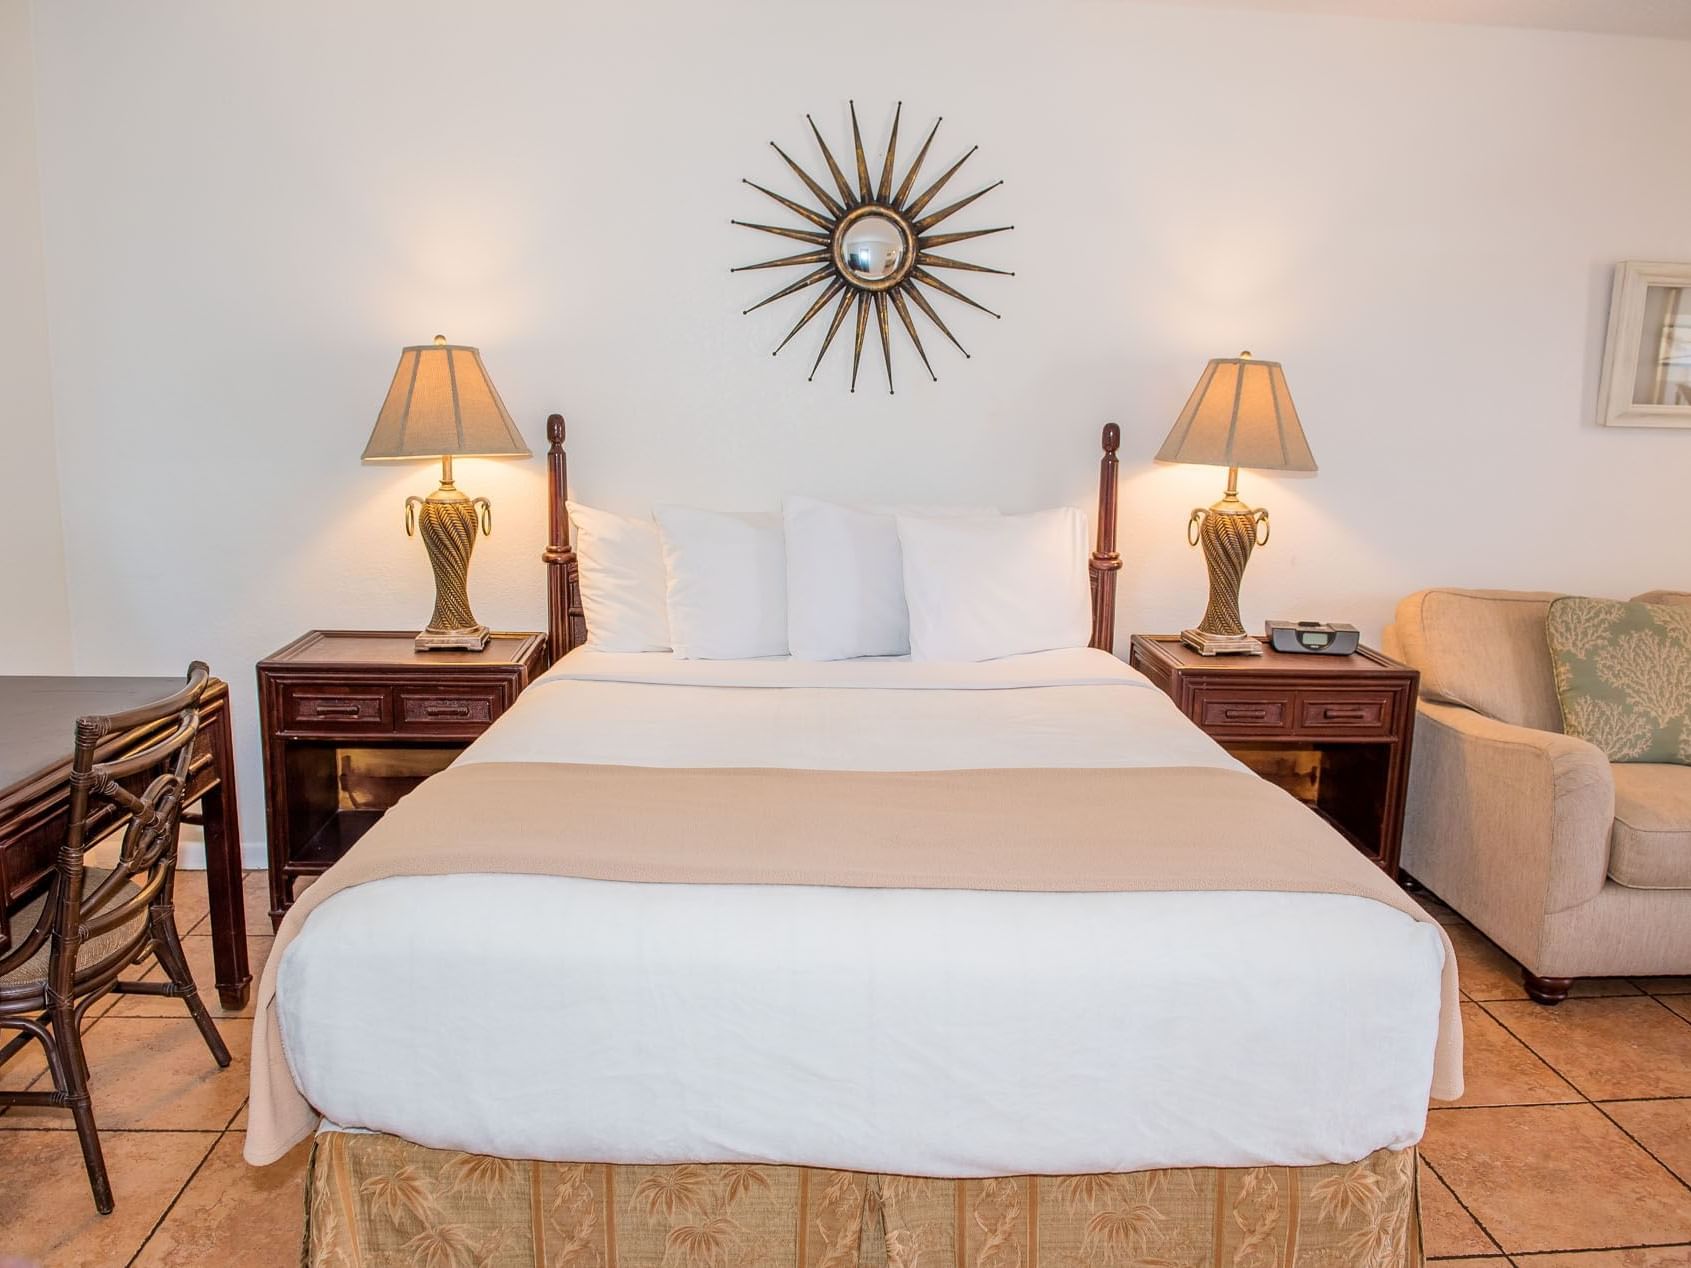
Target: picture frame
1646,380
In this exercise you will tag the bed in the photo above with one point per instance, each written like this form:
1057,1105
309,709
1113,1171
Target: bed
708,1049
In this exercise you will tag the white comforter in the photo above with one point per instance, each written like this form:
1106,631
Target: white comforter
921,1032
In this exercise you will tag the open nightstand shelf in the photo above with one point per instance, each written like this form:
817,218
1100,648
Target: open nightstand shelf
1334,731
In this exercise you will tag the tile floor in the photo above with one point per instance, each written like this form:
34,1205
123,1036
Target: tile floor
1571,1149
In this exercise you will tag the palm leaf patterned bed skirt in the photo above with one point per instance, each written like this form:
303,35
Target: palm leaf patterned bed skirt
377,1201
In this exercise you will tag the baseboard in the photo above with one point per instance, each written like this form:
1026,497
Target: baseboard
192,856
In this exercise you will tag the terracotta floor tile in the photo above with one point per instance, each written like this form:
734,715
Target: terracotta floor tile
47,1212
192,901
229,1204
1607,1048
1662,1127
1446,1229
1500,1070
1484,1261
256,890
1637,1257
1438,909
1485,971
198,948
1555,1177
1664,985
1680,1004
152,1073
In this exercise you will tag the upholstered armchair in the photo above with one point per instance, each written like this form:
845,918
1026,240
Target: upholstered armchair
1576,866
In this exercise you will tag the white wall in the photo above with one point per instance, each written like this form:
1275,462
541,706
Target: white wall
35,619
249,209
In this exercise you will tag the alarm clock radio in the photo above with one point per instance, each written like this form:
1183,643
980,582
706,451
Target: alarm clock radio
1313,636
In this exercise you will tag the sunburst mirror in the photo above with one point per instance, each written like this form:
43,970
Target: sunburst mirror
872,247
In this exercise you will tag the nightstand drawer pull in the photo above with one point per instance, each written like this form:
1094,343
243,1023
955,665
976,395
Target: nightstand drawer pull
1235,711
305,707
423,709
1365,713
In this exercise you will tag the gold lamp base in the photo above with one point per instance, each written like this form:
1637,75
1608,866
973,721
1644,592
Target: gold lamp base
1228,532
449,522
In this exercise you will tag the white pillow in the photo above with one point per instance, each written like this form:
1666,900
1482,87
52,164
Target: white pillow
845,582
990,586
727,583
845,578
622,581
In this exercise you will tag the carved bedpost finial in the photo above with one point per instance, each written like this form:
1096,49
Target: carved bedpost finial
1112,437
555,429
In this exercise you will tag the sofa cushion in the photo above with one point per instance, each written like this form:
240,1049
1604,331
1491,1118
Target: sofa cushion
1623,672
1650,847
1484,649
1663,596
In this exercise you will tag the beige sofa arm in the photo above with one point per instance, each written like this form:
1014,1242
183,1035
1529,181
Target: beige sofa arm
1513,822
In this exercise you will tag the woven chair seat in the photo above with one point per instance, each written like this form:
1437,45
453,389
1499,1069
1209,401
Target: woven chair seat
90,952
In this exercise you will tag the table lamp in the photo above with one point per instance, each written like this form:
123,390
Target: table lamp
1239,415
442,405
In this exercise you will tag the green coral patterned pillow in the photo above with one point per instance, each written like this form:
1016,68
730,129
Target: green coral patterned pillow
1623,673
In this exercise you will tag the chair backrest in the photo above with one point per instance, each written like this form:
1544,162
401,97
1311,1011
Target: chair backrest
1485,649
147,785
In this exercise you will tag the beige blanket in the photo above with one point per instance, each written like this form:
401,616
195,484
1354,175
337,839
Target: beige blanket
1169,828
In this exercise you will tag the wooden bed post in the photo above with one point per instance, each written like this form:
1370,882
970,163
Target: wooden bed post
1105,561
565,625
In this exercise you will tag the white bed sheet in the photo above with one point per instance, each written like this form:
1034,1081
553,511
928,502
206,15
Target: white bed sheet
945,1033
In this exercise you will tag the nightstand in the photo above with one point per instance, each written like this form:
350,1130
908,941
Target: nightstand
355,719
1334,731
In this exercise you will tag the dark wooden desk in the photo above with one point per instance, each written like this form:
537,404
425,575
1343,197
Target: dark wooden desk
37,719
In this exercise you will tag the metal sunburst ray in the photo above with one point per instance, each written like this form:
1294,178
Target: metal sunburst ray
885,187
821,195
866,194
833,329
945,213
809,279
903,311
915,209
946,239
803,235
786,261
909,181
932,261
886,343
833,167
862,325
798,209
921,301
832,289
926,278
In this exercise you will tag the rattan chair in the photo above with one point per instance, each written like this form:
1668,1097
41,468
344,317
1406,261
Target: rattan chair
91,924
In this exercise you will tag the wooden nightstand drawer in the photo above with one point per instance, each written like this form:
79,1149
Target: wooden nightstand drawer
433,708
1346,712
318,708
1234,709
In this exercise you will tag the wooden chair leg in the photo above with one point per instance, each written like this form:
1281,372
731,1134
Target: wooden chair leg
74,1071
1548,991
167,944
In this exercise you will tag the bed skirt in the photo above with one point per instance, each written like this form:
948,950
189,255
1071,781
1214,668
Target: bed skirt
374,1200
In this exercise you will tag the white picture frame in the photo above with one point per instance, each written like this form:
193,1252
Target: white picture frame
1646,380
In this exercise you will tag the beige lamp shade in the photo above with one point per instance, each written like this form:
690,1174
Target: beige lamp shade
442,404
1240,415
